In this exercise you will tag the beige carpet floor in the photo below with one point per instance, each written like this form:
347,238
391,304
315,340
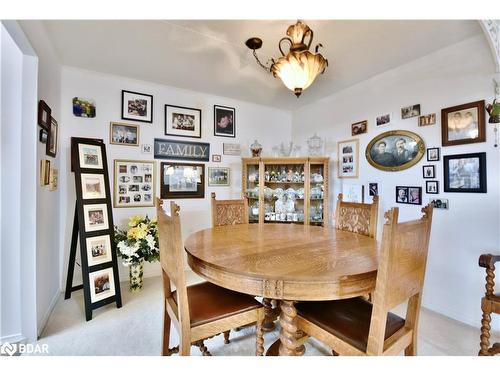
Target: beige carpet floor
136,329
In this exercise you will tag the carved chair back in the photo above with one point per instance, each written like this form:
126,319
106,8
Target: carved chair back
357,217
400,275
229,212
172,261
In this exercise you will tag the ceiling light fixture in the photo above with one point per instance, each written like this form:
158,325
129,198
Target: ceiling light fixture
299,67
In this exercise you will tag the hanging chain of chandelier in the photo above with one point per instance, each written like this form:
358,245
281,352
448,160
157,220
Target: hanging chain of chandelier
298,68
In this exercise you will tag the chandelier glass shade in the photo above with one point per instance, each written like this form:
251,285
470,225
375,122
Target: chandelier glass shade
298,68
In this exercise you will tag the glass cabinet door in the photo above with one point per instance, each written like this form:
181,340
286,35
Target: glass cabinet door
317,194
284,193
252,192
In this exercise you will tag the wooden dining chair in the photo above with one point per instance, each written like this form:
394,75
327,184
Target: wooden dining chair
355,217
198,311
229,211
357,327
490,303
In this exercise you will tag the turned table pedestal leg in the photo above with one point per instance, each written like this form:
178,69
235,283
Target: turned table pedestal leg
268,325
289,344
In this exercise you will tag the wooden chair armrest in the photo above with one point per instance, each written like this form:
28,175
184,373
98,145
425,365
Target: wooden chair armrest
488,260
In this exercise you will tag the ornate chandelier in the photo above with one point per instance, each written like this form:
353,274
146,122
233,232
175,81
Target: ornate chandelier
299,67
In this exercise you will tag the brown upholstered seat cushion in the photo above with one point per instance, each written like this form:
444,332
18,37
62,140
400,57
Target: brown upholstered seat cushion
209,302
347,319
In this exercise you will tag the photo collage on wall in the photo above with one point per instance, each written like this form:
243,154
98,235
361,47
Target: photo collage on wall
48,135
134,183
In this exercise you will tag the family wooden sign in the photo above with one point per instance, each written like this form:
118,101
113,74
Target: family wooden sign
170,149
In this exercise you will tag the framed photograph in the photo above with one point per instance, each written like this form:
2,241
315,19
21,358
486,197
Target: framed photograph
182,121
409,195
90,156
181,150
465,173
98,250
134,183
410,111
353,193
383,120
83,107
216,158
233,149
95,217
219,176
123,134
43,136
53,179
463,124
224,121
425,120
93,186
433,154
51,145
432,187
44,172
102,284
372,189
348,158
44,115
146,149
137,106
359,127
440,203
395,150
182,180
429,171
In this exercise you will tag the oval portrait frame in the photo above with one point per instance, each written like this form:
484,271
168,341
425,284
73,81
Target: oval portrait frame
411,163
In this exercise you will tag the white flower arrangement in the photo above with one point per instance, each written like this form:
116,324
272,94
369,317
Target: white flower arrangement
139,241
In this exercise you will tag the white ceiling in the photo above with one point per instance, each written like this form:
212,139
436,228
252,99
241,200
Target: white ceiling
210,56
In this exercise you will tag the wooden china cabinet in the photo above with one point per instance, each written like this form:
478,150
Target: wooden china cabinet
286,190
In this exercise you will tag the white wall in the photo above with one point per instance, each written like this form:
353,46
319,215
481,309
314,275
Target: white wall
270,126
47,207
458,74
10,156
18,186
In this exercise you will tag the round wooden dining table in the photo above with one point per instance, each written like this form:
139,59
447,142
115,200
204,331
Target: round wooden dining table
285,262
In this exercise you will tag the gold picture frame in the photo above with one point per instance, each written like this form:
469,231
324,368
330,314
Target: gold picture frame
395,150
114,127
131,183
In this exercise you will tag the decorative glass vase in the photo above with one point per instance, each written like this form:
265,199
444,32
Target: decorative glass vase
136,271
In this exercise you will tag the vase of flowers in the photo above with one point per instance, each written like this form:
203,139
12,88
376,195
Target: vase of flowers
136,244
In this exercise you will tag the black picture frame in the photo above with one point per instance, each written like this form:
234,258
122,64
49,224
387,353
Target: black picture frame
220,112
180,133
81,233
466,175
52,139
167,193
43,136
407,199
148,118
44,115
431,167
437,149
428,183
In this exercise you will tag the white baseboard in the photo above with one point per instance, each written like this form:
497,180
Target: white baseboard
43,323
476,323
12,339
